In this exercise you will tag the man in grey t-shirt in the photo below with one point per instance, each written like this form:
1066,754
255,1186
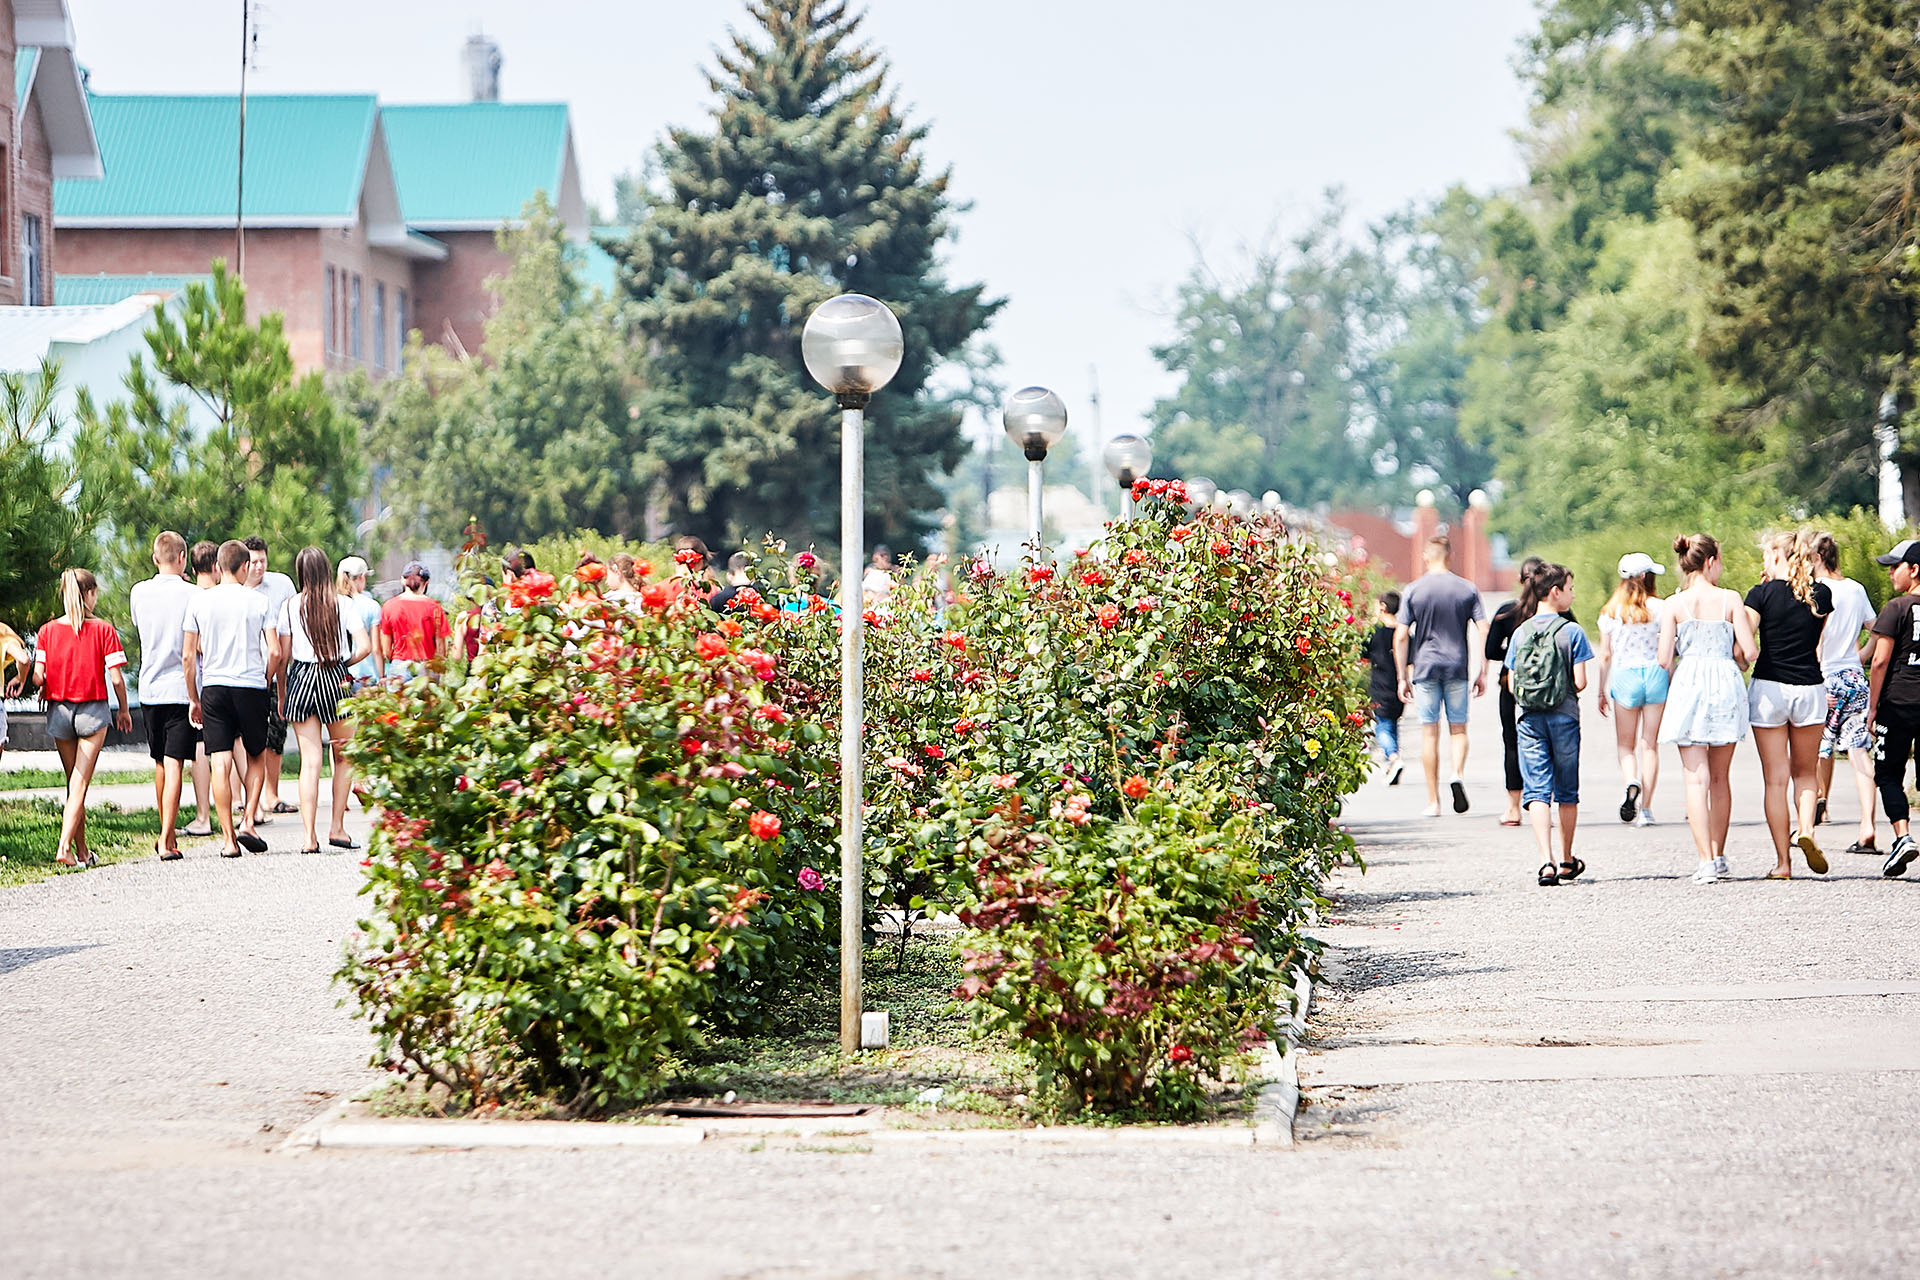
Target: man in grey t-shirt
1432,651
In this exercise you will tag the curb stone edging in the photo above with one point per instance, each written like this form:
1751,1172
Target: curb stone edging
1279,1102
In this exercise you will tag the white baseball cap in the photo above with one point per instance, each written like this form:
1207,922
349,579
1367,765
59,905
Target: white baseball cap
353,566
1637,564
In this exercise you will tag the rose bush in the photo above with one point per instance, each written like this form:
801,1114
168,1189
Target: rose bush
581,851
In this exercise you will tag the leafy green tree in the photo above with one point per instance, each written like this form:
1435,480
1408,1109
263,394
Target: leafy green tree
1802,199
532,435
280,458
42,532
809,182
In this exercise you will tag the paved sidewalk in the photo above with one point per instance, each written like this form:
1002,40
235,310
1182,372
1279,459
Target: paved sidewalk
1628,1076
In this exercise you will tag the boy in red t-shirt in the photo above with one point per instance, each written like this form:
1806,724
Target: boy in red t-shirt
413,627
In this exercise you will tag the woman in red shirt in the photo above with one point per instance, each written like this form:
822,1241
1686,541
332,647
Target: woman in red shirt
73,658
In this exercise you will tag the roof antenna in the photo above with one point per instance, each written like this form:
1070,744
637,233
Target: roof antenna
249,49
481,58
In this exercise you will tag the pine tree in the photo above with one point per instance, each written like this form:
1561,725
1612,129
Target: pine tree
42,533
281,461
809,182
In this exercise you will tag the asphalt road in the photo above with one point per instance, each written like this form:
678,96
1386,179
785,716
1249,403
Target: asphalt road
1627,1076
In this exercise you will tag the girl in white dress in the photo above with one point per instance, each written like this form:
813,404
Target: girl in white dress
1706,640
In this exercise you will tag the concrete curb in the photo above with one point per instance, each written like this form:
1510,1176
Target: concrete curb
1279,1102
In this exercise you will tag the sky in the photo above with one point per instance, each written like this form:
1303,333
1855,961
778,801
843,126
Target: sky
1099,143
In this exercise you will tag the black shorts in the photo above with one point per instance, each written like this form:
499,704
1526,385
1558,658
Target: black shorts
276,728
170,735
229,714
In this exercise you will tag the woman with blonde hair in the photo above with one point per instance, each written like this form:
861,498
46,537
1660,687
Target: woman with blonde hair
1787,703
1706,640
74,657
1633,684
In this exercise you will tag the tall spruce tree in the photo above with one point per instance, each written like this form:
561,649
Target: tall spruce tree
809,182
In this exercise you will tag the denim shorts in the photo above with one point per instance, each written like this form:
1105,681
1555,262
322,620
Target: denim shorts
1431,697
1549,758
1634,687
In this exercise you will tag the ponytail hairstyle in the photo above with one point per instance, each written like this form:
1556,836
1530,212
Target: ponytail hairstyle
1827,551
319,606
1540,584
1694,550
75,586
1798,549
1629,600
1528,567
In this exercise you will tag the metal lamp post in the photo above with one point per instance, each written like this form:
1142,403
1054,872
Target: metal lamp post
852,347
1035,419
1127,458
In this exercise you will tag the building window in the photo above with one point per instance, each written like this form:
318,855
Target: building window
328,333
33,267
379,324
400,329
355,333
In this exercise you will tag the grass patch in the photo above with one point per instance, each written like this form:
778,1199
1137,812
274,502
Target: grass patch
30,829
796,1054
35,779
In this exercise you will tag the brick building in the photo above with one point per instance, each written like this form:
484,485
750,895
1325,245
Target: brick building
361,223
48,135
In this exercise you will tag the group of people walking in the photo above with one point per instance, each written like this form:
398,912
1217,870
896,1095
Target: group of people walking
230,661
1670,673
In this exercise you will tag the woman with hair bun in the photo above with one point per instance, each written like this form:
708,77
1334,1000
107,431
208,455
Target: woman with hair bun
1787,703
1706,640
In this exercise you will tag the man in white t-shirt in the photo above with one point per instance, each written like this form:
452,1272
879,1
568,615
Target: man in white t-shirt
1841,658
276,589
159,608
225,654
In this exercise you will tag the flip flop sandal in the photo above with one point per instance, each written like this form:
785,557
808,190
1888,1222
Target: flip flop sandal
347,843
281,806
1819,812
1548,875
1509,822
1861,847
1775,875
196,833
1571,869
1815,859
252,844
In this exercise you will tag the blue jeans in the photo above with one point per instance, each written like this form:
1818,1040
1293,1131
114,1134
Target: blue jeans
1549,758
1431,697
1386,734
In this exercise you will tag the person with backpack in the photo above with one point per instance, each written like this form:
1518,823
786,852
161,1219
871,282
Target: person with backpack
1547,668
1706,640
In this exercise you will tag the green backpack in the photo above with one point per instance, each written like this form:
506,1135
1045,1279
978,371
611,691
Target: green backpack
1542,676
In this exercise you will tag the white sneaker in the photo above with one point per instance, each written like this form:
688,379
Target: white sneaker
1394,770
1705,874
1644,818
1720,867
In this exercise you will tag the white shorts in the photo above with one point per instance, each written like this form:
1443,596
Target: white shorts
1771,704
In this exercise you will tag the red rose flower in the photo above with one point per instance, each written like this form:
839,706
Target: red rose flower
806,560
710,645
1179,1053
1039,574
1108,614
1134,787
1146,604
963,726
536,585
1304,645
462,783
1220,547
935,752
956,640
763,824
657,596
921,675
1135,556
810,880
688,557
729,628
592,571
761,662
1181,533
1094,578
391,718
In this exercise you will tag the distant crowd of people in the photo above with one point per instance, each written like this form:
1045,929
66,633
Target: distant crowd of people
231,659
1670,672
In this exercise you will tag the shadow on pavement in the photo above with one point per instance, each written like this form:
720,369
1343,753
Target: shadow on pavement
12,958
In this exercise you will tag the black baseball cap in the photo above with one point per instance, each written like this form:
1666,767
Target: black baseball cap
1907,552
415,569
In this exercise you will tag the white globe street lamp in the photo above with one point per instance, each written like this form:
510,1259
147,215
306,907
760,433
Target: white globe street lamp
1127,458
1240,502
1270,501
1200,491
1035,419
852,347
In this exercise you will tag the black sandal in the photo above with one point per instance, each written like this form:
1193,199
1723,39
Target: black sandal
1548,875
1571,868
314,850
1819,812
1861,846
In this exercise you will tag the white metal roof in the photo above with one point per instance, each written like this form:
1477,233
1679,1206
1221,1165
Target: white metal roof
27,334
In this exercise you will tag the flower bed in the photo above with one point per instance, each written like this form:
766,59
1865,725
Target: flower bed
1120,771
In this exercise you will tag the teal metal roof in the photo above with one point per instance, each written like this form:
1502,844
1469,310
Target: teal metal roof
474,164
172,159
596,266
25,59
104,290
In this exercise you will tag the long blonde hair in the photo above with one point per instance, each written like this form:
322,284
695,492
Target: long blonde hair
1799,550
75,586
1628,603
